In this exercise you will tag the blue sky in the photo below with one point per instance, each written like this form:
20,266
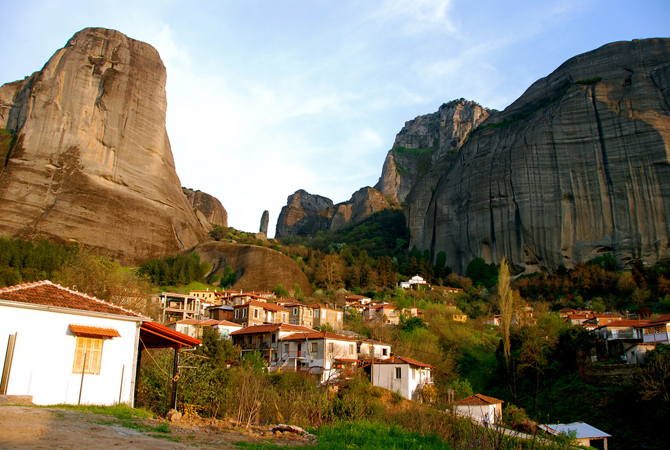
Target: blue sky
268,97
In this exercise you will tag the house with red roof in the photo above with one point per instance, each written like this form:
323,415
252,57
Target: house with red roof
480,408
265,338
329,355
402,374
58,345
621,337
657,331
194,328
256,312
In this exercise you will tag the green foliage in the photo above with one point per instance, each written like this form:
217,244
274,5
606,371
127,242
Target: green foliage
607,262
655,374
462,389
481,273
176,270
365,435
22,261
228,277
412,151
280,291
410,324
593,80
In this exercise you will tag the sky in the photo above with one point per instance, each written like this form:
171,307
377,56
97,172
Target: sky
268,97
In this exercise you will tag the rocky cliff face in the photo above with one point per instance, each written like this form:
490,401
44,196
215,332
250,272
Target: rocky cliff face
307,214
209,206
579,165
91,160
423,141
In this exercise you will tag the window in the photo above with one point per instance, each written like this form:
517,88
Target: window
385,351
351,349
398,373
92,348
285,348
315,347
316,313
310,313
295,311
255,313
237,313
331,347
273,339
244,312
283,318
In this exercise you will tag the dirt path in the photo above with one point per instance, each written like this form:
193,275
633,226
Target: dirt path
23,428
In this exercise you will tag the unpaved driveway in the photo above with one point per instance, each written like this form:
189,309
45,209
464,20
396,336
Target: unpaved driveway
23,428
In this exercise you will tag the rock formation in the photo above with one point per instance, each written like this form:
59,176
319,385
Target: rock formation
257,268
307,214
579,165
209,206
423,141
91,161
265,221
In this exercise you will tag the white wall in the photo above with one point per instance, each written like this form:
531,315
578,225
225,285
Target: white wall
384,376
44,354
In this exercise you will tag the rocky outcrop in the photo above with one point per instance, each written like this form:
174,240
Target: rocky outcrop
209,206
579,165
257,268
300,216
423,141
91,160
295,219
265,221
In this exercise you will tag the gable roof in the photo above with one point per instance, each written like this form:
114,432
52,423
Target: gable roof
624,324
46,293
316,335
270,328
269,306
583,430
660,320
478,400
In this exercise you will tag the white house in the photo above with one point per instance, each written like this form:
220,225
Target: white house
193,328
415,282
328,354
62,346
369,347
480,408
400,373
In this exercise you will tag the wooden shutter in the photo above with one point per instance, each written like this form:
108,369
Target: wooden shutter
92,347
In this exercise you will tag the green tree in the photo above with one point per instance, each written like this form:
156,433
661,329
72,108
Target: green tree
506,307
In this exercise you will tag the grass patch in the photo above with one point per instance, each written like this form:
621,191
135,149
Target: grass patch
365,435
165,436
120,411
265,446
412,151
593,80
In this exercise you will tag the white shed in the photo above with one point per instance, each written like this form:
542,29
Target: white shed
480,408
403,374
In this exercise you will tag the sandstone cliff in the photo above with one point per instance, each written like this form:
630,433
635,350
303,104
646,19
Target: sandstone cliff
91,160
307,214
577,166
209,206
257,268
423,141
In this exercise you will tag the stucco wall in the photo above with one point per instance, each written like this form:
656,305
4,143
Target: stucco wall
44,355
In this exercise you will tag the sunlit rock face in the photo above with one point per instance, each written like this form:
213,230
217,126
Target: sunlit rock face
306,214
579,165
208,205
92,161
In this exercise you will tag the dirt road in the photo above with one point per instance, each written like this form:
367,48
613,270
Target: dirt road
23,428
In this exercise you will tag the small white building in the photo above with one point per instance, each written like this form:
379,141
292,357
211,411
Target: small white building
368,347
62,346
414,283
480,408
584,433
194,328
402,374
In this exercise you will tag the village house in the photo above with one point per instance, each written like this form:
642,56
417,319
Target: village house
402,374
585,434
620,336
416,282
242,299
596,320
523,315
367,348
329,355
62,346
194,328
181,306
578,318
257,313
265,338
382,312
300,314
324,315
657,331
221,312
207,296
496,320
480,408
356,302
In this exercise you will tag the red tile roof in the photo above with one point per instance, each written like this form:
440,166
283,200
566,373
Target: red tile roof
660,320
85,330
624,324
477,400
315,335
403,360
269,306
270,328
46,293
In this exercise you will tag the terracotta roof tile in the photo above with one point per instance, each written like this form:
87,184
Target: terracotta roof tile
315,335
269,328
86,330
478,399
47,293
